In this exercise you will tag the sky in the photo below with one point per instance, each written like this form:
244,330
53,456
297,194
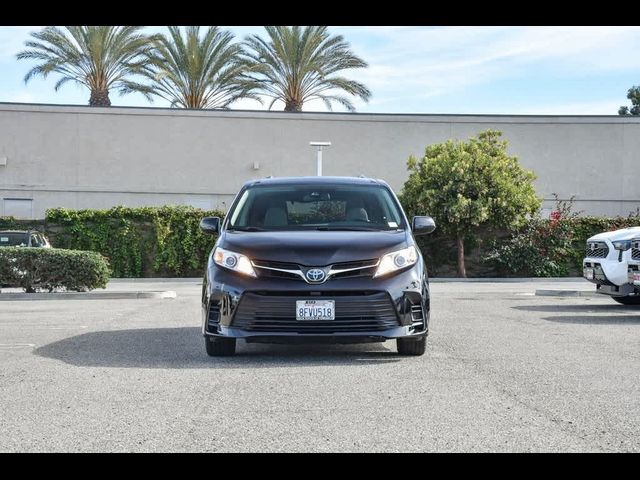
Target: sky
460,70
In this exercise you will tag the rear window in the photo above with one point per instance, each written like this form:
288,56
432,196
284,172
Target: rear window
13,240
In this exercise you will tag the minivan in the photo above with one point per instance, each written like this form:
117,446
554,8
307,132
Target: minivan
316,259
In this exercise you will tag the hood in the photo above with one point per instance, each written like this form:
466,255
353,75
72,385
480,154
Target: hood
313,248
622,234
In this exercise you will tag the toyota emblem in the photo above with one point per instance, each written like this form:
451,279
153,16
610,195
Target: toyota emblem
315,275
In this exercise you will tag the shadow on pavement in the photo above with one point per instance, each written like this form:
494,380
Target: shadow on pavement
184,348
580,308
596,319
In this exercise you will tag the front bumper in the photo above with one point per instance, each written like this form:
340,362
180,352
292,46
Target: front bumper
366,309
611,276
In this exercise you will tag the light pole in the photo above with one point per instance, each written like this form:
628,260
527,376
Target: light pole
320,145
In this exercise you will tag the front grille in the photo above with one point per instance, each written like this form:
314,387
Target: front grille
360,268
635,250
269,313
597,250
266,273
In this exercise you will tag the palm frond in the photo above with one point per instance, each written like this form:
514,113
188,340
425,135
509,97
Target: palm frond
98,57
296,64
191,69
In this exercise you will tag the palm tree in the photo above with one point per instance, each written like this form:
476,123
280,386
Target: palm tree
100,58
194,72
298,64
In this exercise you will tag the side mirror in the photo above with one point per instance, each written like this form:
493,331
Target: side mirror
210,225
423,225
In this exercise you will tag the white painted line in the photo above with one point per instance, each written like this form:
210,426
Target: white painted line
16,345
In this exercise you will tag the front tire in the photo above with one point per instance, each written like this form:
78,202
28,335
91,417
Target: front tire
632,300
411,346
220,347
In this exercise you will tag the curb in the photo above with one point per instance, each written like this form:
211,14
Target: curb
88,296
566,293
157,280
504,280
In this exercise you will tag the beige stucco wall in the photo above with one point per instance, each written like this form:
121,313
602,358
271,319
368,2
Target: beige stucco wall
83,157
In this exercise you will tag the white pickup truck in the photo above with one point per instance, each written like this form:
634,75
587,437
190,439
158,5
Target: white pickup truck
607,261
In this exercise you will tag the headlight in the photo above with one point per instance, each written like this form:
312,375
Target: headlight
623,245
397,260
233,261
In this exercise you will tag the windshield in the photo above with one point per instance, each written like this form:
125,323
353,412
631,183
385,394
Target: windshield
316,207
13,239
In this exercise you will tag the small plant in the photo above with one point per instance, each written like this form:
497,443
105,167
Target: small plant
52,269
542,248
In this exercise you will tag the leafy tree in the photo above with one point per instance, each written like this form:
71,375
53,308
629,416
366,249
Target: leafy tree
298,64
100,58
469,185
197,71
634,95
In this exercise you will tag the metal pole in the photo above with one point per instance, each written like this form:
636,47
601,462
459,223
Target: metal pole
319,146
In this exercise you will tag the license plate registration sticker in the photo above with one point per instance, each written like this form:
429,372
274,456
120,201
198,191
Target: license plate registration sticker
315,310
588,273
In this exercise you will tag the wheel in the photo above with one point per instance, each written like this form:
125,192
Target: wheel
632,300
411,346
220,347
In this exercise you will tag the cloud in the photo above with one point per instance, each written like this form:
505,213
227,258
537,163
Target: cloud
604,107
438,60
12,40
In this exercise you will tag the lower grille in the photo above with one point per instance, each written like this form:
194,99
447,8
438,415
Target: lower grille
416,312
597,250
277,314
214,316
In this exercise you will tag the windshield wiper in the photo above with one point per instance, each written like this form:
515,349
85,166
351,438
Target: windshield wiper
350,229
246,229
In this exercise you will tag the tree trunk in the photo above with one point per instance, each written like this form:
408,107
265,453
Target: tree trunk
99,98
462,272
293,106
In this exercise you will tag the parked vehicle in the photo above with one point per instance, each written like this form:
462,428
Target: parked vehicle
330,259
17,238
606,264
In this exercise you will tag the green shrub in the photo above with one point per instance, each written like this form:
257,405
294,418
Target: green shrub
52,268
552,247
468,186
138,242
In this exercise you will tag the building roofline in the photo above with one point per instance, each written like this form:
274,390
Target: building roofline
358,116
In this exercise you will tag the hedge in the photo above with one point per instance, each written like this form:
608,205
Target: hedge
167,242
139,242
52,269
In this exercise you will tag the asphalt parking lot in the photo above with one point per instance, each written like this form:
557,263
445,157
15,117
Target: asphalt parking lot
504,371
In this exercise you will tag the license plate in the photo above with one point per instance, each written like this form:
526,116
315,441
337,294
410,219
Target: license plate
588,273
315,310
635,277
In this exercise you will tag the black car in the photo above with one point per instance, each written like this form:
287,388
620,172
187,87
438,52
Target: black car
316,259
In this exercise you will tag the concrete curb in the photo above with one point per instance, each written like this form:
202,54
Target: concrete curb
541,292
88,296
157,280
505,280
